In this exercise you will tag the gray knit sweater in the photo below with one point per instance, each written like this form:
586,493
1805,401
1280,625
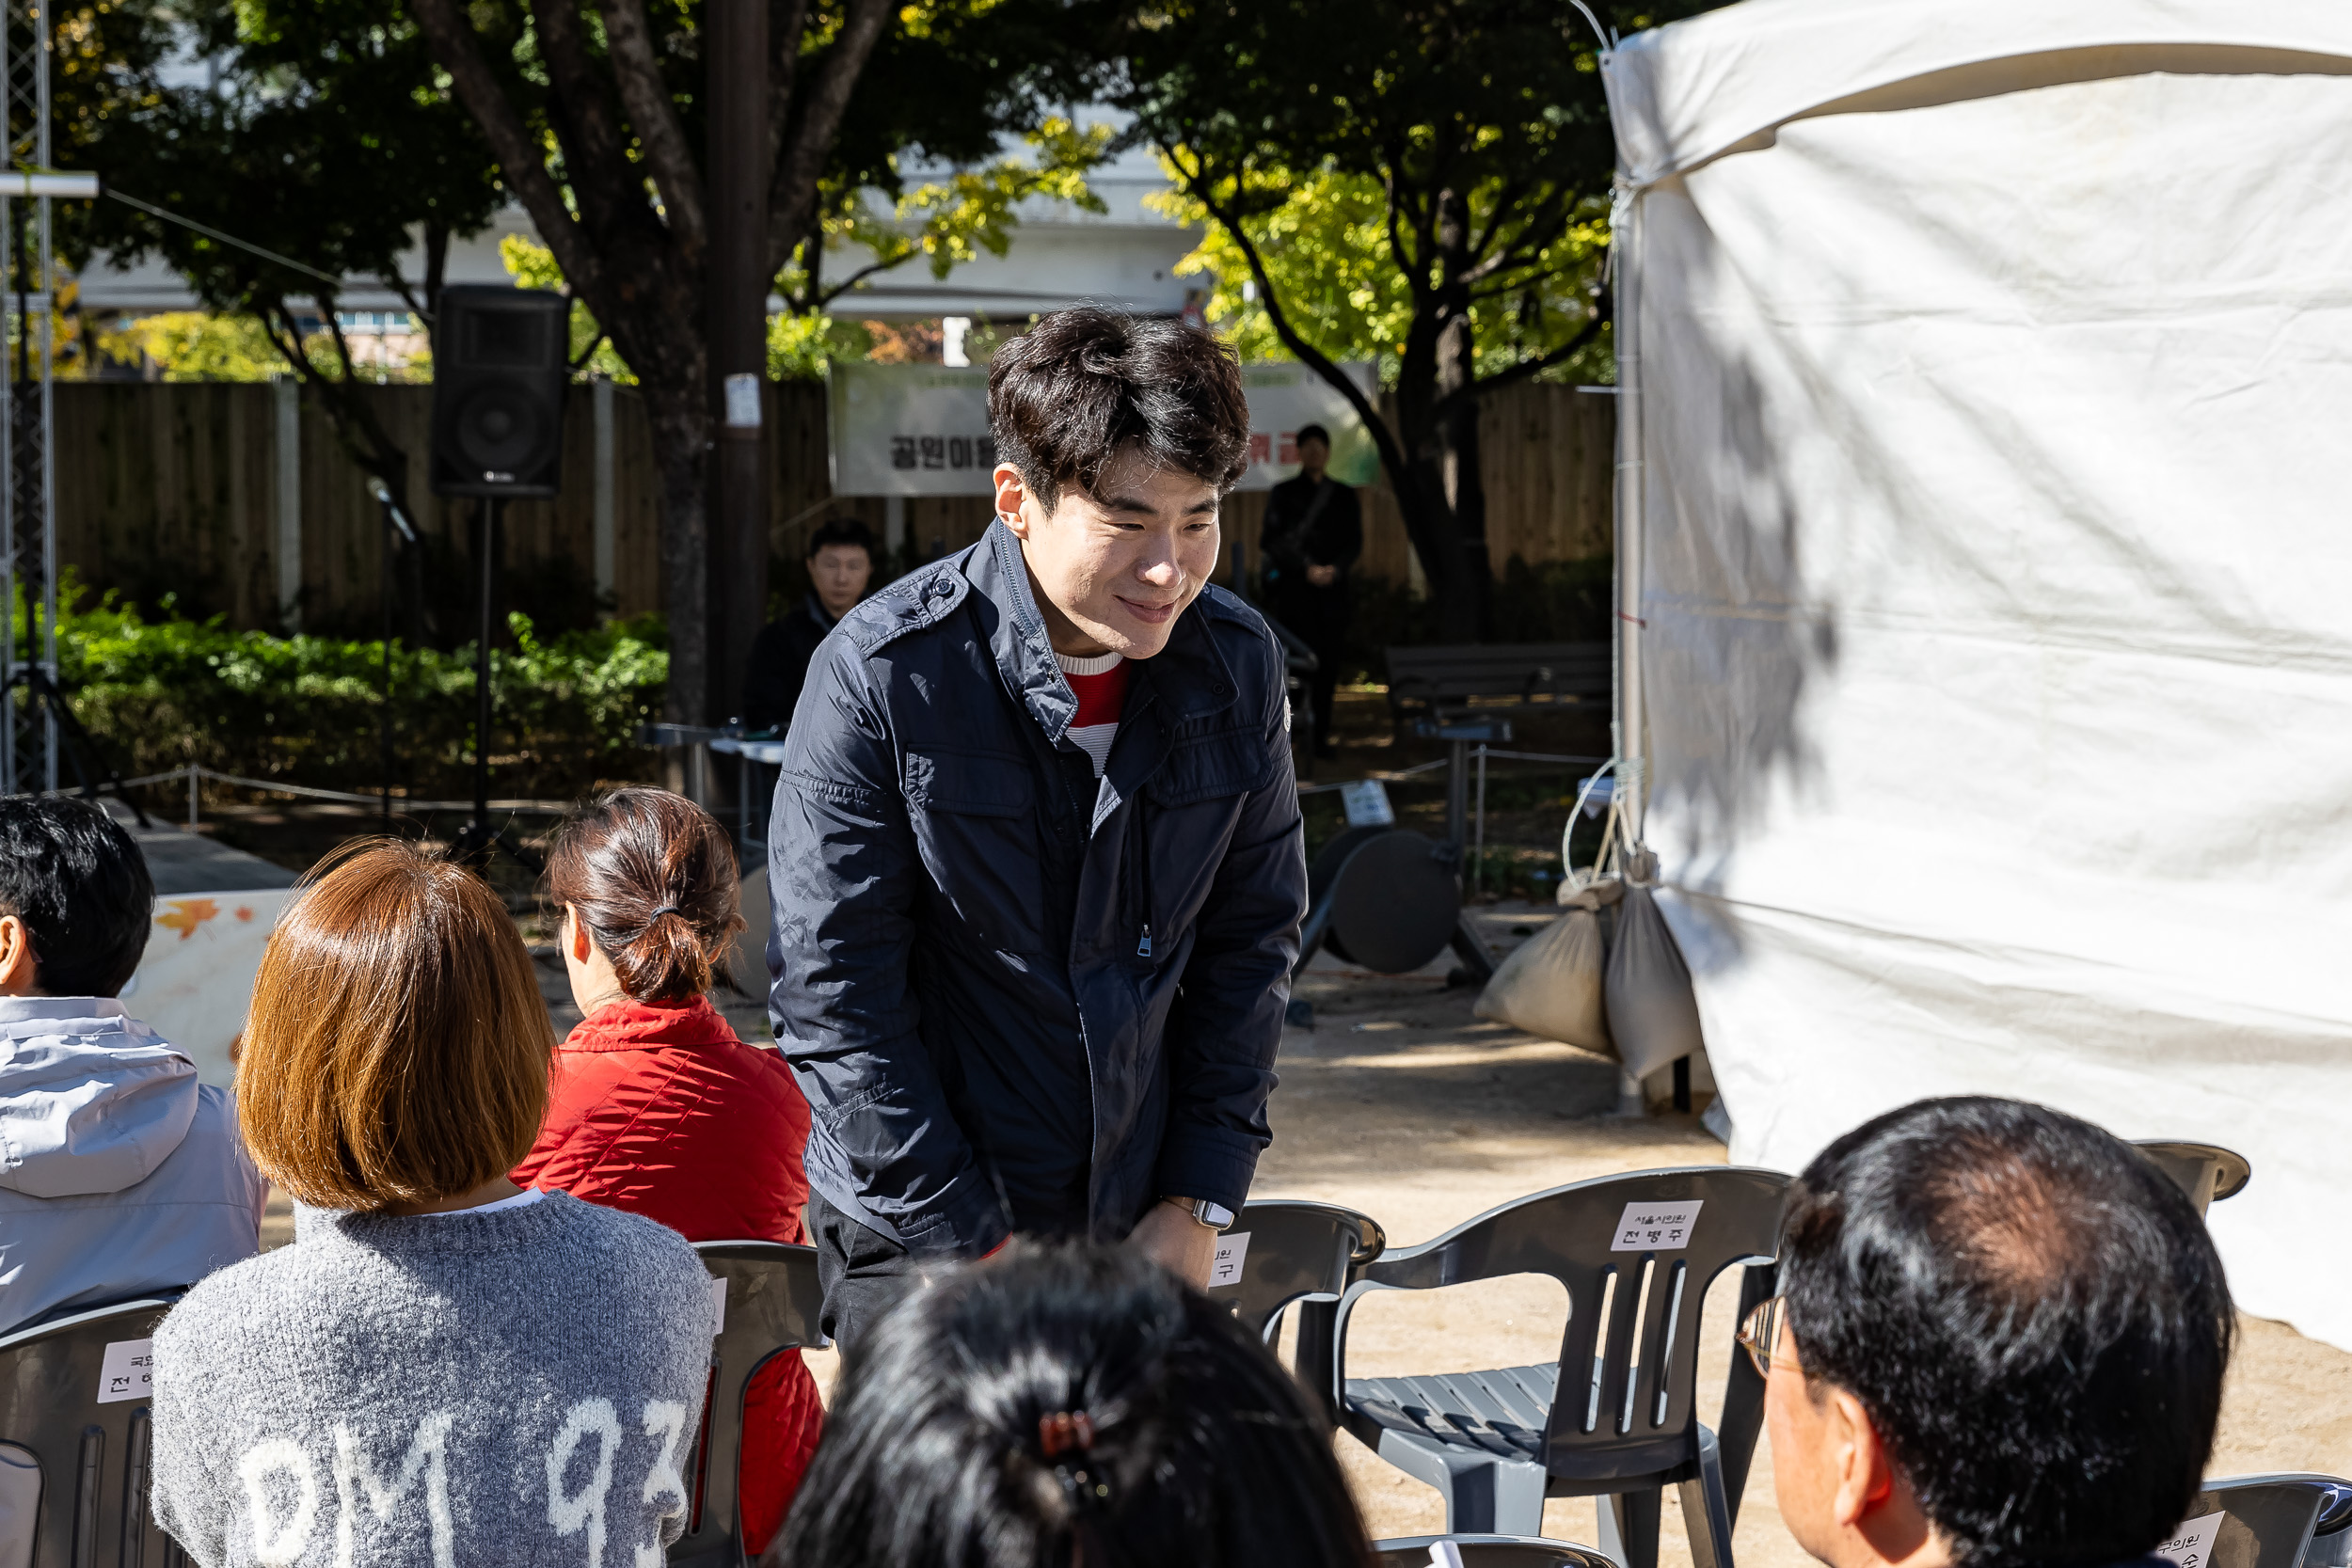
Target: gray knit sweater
509,1389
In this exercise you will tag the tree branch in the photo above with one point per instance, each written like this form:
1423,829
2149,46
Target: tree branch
1549,219
1505,200
1523,370
815,119
603,180
456,47
654,113
788,22
1392,454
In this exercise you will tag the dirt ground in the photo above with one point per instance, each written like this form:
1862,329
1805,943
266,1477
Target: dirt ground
1402,1104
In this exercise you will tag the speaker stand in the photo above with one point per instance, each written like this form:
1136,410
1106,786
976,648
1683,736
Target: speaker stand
482,840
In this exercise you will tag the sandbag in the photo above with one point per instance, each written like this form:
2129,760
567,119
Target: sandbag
1653,1016
1551,984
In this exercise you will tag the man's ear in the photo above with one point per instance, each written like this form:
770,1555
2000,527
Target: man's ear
1866,1474
1874,1502
20,969
1012,499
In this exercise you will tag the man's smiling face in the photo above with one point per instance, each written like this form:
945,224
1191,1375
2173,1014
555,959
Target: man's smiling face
1113,570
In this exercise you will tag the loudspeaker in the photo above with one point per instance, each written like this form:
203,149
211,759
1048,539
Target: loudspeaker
499,371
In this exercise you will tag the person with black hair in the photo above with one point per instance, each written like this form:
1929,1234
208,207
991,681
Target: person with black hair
119,1174
1036,864
1069,1403
841,560
1313,532
2001,1341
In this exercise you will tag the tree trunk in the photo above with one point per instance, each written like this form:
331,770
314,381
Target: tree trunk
1462,611
681,444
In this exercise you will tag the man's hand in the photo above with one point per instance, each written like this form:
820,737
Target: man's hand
1170,1237
1322,577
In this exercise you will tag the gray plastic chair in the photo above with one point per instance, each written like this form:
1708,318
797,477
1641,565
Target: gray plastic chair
2206,1172
771,1303
1489,1551
1301,1255
93,1456
2268,1521
2331,1533
1496,1444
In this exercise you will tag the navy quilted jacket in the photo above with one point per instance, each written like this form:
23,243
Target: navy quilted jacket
1018,997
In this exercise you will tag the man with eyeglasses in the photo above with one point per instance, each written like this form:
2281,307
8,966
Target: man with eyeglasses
2001,1341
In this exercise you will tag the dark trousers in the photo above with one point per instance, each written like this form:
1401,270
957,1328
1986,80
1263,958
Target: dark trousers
862,1271
1327,691
1318,617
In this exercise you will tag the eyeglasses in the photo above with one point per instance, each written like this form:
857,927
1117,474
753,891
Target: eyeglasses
1760,1333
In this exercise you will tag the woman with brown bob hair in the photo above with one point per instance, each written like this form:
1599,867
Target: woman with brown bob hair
441,1359
657,1107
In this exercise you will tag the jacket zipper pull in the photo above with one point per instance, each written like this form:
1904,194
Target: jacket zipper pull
1143,948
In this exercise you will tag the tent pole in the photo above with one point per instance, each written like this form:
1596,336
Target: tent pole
1631,737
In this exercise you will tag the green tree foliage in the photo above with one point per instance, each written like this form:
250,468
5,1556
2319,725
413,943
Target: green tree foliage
595,117
1481,125
1325,249
941,218
320,138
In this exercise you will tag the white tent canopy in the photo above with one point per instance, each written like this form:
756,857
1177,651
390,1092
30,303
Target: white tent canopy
1988,575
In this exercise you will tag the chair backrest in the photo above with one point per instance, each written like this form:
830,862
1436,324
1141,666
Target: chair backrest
765,1297
73,1393
2253,1521
1279,1252
2331,1534
2206,1172
1636,1254
1488,1551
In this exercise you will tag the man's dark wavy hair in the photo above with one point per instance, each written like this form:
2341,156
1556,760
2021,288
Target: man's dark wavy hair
1067,394
80,883
954,1439
2032,1314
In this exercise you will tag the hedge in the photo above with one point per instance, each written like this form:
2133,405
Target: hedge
159,693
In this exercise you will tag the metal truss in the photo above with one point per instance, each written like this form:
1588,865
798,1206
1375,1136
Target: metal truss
29,531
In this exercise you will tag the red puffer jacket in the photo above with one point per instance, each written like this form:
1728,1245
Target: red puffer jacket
662,1111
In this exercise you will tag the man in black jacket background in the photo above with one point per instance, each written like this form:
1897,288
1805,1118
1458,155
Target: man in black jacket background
1313,532
1036,859
840,565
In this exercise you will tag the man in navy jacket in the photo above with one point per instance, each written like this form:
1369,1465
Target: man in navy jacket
1036,864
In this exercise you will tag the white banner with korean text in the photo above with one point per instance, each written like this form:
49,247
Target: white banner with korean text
922,430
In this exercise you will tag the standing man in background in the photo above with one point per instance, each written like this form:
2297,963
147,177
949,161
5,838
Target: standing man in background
1036,861
1313,532
840,565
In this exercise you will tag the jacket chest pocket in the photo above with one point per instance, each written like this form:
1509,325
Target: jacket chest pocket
975,823
1187,818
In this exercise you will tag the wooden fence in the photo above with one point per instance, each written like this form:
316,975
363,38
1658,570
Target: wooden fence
189,489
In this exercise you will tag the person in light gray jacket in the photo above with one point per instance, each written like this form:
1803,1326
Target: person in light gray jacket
443,1368
119,1174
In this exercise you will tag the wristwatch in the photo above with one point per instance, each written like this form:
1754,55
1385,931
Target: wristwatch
1214,1215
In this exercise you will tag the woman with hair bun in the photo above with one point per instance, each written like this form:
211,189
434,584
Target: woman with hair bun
655,1106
